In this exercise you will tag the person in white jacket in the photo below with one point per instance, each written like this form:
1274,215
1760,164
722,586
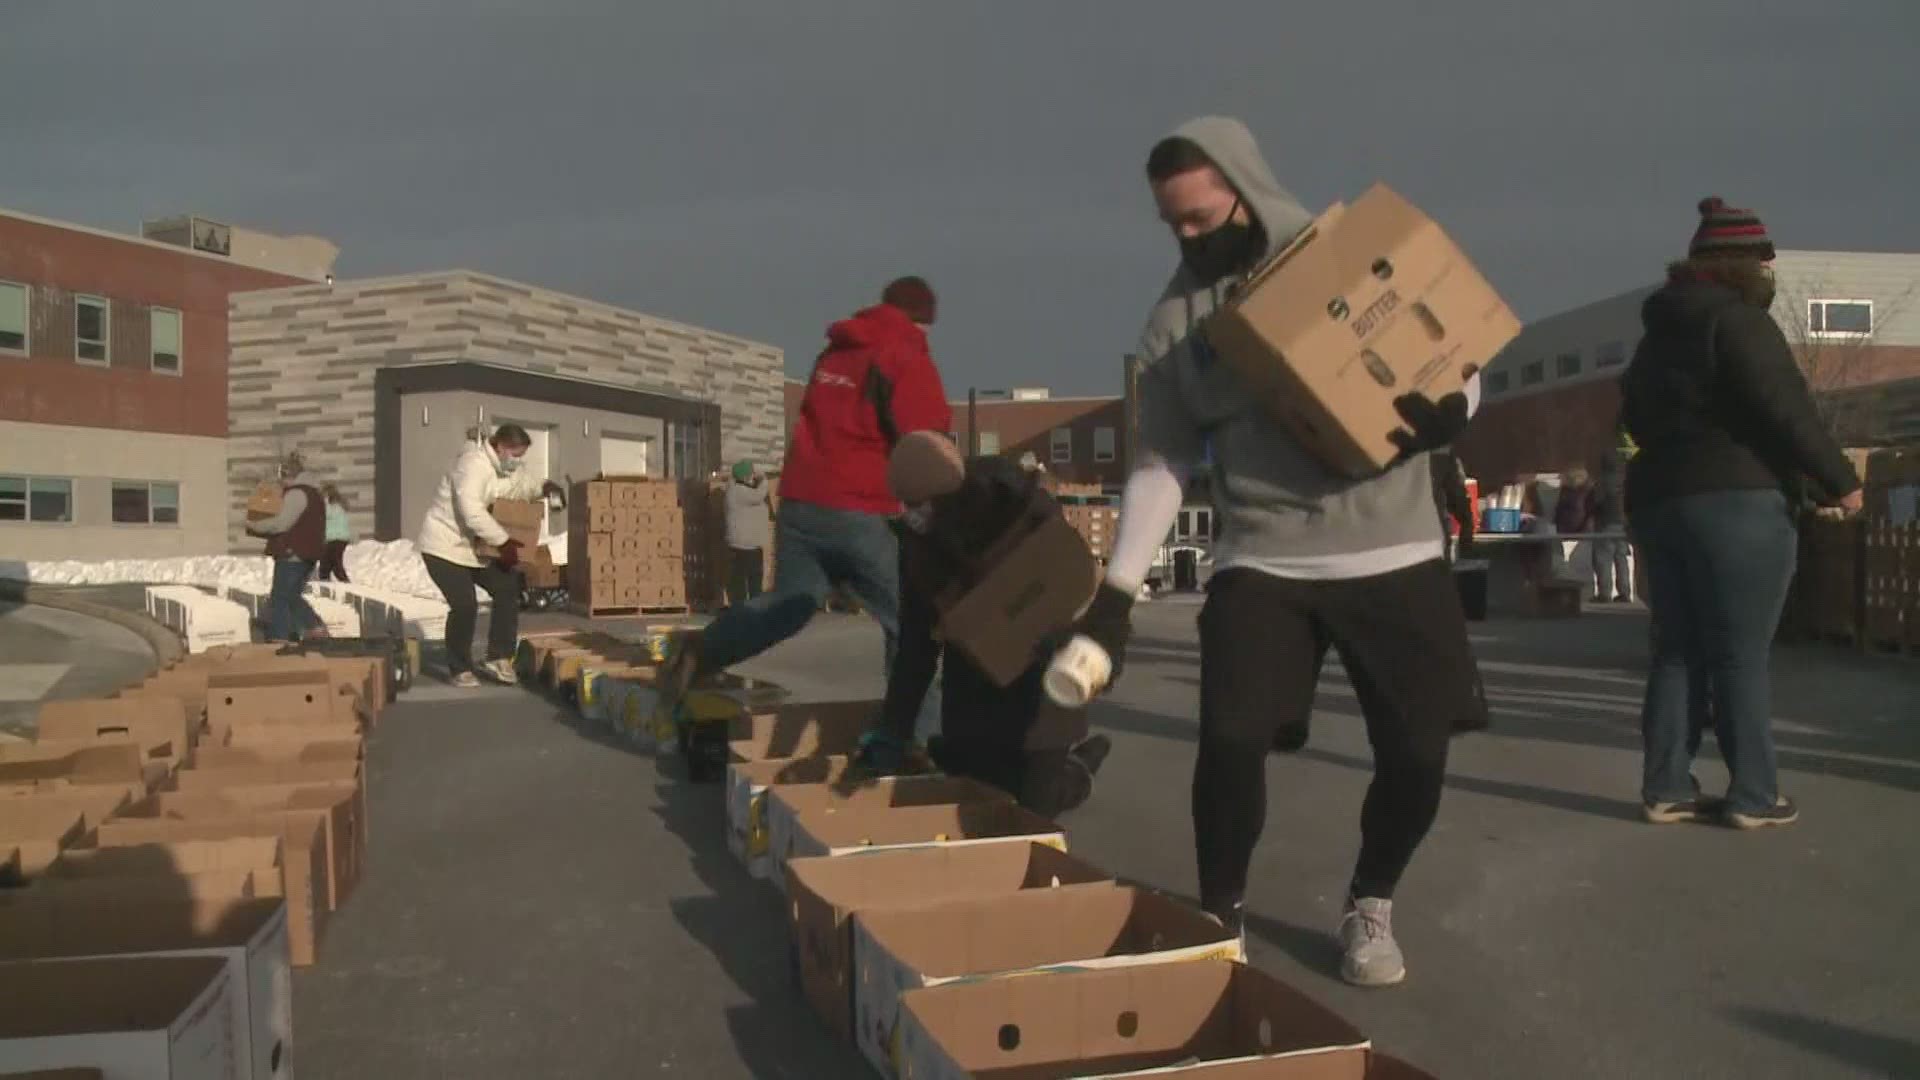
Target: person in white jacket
458,519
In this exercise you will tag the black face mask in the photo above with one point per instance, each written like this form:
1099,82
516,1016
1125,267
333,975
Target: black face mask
1228,248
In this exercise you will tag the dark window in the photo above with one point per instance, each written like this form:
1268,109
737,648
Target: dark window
1568,364
13,317
1495,382
90,329
36,498
137,502
1533,373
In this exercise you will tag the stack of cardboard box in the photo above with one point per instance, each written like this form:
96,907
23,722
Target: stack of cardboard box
636,544
176,848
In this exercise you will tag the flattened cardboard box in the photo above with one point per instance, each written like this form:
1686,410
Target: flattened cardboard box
786,802
245,940
826,894
812,729
864,829
747,785
1072,928
1210,1018
1371,302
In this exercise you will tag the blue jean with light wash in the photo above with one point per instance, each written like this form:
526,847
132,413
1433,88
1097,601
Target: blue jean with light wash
1718,567
816,548
287,609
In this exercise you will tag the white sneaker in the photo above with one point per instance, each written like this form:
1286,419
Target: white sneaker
465,681
1372,957
500,671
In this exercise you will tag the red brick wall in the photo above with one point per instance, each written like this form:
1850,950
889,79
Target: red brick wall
1544,432
50,387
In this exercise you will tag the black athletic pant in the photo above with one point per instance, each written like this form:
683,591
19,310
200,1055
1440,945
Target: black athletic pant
457,583
746,572
1403,640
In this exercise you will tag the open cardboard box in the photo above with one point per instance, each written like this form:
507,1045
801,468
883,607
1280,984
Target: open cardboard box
34,829
285,696
1041,578
338,810
809,729
160,1018
1371,302
158,725
38,769
1212,1018
331,790
872,828
1072,928
747,786
786,802
826,894
245,940
281,746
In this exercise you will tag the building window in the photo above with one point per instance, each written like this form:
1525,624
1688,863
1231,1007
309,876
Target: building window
1534,374
1062,445
36,498
90,329
1612,354
1839,318
1566,365
989,443
166,340
139,502
1495,383
1103,444
686,452
13,317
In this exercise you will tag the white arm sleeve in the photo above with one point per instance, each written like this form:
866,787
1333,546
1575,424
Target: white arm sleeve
1472,390
1148,506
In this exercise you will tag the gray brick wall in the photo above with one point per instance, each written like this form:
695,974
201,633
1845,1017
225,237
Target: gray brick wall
302,364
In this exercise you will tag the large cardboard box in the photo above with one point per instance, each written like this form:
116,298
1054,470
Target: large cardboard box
873,828
264,501
295,872
309,695
151,1019
245,941
522,518
1072,928
304,864
34,829
1040,580
158,725
1207,1019
785,804
747,786
812,729
331,790
1371,302
826,894
338,810
36,769
261,747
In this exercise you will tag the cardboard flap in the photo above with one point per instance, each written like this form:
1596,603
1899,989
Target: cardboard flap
32,766
897,791
242,776
151,722
802,730
180,857
859,827
920,876
89,997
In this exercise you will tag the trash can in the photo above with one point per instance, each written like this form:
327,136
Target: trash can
1186,570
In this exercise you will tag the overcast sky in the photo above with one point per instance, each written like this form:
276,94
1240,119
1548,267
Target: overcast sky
762,168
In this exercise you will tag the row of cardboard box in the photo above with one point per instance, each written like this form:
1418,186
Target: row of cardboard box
176,848
914,901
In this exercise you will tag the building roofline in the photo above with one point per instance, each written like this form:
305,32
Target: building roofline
141,241
1080,399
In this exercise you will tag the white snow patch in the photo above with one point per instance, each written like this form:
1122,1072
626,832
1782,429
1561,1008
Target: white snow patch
392,566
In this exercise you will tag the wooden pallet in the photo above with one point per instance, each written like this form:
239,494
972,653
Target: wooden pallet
627,611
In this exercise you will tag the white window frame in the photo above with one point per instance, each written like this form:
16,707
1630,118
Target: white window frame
106,330
1838,335
26,509
26,320
180,342
1060,450
1112,440
989,444
150,523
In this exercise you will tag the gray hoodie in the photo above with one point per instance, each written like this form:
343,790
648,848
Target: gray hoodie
1277,507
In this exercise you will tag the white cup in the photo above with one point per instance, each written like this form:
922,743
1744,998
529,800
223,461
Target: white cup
1078,672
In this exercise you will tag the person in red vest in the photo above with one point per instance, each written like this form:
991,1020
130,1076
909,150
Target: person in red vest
296,540
874,383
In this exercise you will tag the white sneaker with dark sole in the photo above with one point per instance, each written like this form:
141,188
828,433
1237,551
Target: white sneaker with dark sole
1370,955
1782,812
500,671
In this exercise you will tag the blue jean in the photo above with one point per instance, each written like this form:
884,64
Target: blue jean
816,548
287,609
1718,567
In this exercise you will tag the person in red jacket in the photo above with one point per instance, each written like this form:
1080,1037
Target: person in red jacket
874,383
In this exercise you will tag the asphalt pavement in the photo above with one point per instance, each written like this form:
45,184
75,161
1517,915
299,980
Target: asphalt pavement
543,901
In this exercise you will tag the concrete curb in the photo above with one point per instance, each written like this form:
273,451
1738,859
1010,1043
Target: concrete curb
166,645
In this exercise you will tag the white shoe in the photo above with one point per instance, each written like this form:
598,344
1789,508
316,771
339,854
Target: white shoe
465,681
1372,957
500,671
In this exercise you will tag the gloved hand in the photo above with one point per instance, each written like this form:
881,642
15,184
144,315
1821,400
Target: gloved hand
1431,425
551,488
509,556
1109,622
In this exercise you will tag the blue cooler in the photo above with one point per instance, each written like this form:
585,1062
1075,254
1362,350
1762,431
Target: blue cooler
1500,521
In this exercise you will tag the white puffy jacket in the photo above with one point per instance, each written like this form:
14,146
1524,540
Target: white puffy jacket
459,517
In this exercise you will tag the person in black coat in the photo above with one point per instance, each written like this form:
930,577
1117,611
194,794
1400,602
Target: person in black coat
1731,447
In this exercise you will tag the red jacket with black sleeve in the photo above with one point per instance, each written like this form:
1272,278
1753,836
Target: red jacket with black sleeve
874,383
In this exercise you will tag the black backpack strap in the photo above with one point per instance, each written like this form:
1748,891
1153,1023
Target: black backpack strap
879,391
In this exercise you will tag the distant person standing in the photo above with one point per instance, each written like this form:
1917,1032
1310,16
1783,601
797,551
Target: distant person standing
459,518
1612,555
333,564
749,533
296,540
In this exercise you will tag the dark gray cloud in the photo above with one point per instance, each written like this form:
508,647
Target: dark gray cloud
764,167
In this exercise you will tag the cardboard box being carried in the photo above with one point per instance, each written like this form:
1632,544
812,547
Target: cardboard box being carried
785,804
747,786
244,941
1211,1018
1371,302
522,518
264,502
827,894
1072,928
1041,578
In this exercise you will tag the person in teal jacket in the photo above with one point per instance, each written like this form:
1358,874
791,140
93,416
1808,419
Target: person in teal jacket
339,533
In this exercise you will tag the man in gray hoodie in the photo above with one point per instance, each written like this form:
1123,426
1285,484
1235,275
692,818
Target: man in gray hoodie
1304,558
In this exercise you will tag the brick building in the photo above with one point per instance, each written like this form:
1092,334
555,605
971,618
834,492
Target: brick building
113,387
380,382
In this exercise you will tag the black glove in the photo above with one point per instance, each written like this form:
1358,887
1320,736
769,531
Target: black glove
1109,622
551,488
1431,425
509,556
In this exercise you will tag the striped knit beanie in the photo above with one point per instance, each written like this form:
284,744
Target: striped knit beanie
1726,231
